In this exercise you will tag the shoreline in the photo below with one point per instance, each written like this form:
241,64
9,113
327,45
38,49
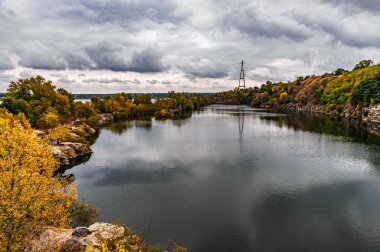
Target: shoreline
70,154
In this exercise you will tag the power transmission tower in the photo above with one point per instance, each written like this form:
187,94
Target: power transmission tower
242,76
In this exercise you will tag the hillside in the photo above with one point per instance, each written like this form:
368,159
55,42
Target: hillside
341,93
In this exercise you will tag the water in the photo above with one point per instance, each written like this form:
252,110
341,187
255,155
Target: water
236,179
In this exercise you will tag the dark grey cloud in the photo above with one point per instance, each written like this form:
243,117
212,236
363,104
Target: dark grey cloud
125,13
38,56
256,24
5,62
136,81
105,80
355,34
66,80
147,61
166,82
80,62
204,68
107,56
368,5
153,81
112,80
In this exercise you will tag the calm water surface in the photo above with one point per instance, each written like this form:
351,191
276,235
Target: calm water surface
236,179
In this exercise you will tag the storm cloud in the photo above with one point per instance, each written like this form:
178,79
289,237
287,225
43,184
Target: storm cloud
125,42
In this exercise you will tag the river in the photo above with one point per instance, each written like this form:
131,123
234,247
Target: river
232,178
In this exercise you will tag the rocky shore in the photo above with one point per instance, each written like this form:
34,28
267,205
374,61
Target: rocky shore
78,239
70,153
368,115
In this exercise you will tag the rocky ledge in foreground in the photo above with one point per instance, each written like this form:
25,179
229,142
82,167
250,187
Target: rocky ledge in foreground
78,239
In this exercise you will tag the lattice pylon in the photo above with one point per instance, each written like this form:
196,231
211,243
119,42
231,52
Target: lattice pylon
242,77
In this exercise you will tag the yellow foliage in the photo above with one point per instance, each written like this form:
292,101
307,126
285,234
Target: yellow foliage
63,134
283,96
30,196
49,120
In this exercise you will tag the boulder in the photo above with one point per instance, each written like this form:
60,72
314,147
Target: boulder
81,232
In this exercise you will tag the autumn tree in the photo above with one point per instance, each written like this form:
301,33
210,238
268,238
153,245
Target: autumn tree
40,95
142,99
30,196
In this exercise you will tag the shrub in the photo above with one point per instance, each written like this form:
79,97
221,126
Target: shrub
49,120
367,92
82,214
84,110
63,134
15,105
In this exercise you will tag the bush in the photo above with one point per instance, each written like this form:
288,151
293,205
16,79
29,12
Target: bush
49,120
84,110
63,134
367,92
15,106
142,99
163,114
93,121
82,214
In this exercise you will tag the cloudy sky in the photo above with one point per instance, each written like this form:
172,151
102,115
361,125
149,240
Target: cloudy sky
99,46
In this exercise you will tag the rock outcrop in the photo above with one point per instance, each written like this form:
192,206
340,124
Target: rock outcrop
72,153
105,118
372,114
68,152
78,239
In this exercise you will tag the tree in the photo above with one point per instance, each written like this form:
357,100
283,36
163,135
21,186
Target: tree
41,96
340,71
15,106
85,110
142,99
367,92
30,196
363,64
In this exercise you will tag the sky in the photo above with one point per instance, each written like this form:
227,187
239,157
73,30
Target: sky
99,46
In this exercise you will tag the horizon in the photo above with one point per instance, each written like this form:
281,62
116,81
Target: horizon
104,47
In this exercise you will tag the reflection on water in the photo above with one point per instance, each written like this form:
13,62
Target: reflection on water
323,124
232,178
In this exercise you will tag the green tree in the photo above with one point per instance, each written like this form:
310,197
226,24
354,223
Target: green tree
15,105
363,64
340,71
367,92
